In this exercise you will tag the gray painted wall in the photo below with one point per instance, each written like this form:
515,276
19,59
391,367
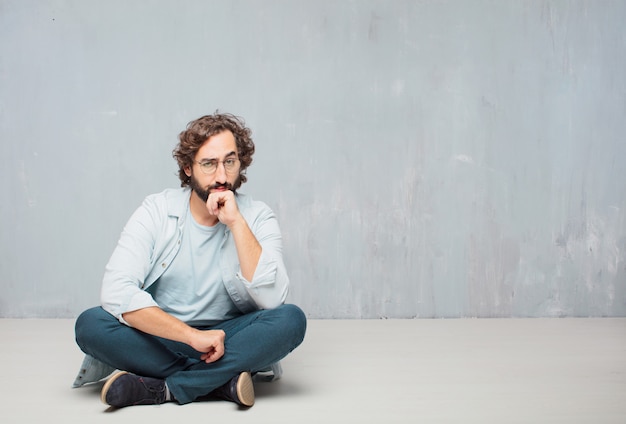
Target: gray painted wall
425,159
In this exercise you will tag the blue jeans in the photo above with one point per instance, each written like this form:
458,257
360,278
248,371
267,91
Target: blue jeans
253,342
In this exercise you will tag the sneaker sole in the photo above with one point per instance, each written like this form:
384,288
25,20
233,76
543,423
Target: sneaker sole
245,389
107,385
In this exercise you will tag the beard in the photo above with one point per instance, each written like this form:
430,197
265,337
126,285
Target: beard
204,193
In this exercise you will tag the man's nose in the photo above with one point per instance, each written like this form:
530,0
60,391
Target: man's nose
220,173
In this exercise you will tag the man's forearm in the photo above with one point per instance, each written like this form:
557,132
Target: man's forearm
248,248
155,321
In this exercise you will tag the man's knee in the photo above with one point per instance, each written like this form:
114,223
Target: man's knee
89,325
295,322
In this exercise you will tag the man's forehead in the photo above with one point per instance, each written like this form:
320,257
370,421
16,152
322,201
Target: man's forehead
218,145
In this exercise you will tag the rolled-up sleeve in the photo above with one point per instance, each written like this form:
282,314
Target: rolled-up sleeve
270,283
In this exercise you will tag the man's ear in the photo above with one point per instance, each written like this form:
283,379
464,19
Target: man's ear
187,170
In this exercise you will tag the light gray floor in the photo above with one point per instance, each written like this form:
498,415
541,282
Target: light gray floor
371,371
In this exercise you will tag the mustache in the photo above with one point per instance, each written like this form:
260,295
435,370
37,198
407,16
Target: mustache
227,186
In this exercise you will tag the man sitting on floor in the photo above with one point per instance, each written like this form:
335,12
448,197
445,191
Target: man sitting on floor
193,297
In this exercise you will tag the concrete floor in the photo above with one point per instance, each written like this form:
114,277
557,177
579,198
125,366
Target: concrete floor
370,371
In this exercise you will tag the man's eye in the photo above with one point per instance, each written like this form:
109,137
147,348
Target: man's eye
207,164
229,162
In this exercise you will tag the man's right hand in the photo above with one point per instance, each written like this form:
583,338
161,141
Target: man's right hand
210,343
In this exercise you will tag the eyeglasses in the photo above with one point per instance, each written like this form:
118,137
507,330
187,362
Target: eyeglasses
231,165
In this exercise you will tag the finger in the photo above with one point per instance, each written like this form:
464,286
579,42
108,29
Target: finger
213,209
217,352
207,353
212,357
215,203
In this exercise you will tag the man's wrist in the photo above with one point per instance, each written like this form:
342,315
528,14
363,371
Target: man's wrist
238,223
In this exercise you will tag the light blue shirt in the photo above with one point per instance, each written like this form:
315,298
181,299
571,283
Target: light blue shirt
151,240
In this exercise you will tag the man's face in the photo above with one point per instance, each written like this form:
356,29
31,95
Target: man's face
219,152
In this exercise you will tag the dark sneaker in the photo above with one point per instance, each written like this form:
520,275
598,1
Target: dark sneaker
239,390
125,389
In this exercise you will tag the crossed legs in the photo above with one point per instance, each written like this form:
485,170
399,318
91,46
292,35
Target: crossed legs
253,342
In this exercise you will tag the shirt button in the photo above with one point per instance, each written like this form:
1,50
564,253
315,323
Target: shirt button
163,264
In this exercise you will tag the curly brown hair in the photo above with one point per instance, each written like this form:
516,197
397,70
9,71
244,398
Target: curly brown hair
197,133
